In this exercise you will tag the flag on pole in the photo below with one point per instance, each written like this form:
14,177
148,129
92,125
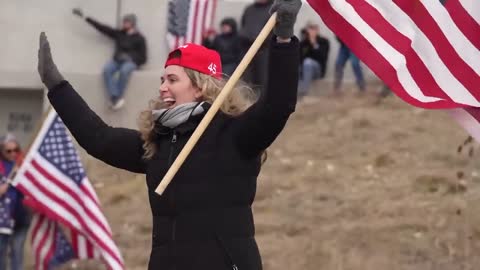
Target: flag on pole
426,52
188,20
68,222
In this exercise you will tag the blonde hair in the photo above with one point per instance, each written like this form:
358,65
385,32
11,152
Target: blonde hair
238,101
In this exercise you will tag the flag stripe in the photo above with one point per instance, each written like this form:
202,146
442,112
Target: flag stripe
37,239
82,247
450,32
428,54
89,247
472,7
75,245
43,244
28,188
213,13
196,15
465,22
204,19
469,119
195,22
58,191
36,224
384,60
72,196
423,47
454,52
90,192
208,14
189,34
100,238
387,30
49,254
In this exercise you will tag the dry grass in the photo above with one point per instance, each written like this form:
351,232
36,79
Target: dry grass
348,185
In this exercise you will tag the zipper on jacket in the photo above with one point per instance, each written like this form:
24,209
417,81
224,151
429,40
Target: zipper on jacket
172,193
172,143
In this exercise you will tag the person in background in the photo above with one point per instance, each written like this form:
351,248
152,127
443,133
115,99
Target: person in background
130,54
227,44
254,18
14,216
208,38
345,54
314,51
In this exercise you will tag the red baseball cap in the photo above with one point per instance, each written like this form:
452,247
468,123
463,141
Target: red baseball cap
198,58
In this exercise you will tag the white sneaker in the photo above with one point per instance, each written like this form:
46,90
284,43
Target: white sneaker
118,105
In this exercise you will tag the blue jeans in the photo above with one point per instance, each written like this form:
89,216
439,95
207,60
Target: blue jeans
116,85
344,54
17,243
311,70
4,240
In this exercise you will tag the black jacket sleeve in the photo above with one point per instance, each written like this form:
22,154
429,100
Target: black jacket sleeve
104,29
257,128
140,53
119,147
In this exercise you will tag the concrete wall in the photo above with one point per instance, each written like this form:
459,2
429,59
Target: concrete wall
78,48
80,51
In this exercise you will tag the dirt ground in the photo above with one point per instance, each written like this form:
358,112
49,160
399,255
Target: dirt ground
349,184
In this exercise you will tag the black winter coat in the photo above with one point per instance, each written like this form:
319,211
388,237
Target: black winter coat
204,218
319,54
229,47
133,45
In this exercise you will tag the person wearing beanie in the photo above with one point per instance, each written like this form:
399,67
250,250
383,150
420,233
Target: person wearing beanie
227,44
130,53
204,218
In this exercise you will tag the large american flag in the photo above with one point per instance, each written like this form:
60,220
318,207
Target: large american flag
188,20
426,52
68,222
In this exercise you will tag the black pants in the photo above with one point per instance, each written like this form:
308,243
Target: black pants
213,254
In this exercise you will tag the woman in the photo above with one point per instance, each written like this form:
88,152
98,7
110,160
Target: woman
204,219
15,219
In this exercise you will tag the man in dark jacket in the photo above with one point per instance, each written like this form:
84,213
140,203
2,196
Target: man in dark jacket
130,53
254,18
314,51
227,44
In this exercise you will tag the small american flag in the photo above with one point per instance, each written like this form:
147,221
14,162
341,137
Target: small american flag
68,222
427,52
188,20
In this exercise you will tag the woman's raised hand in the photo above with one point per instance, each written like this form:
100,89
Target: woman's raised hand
287,11
47,69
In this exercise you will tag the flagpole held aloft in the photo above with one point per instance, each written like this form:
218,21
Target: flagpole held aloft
216,104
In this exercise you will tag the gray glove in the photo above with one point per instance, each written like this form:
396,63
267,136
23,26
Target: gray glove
78,12
46,67
287,11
